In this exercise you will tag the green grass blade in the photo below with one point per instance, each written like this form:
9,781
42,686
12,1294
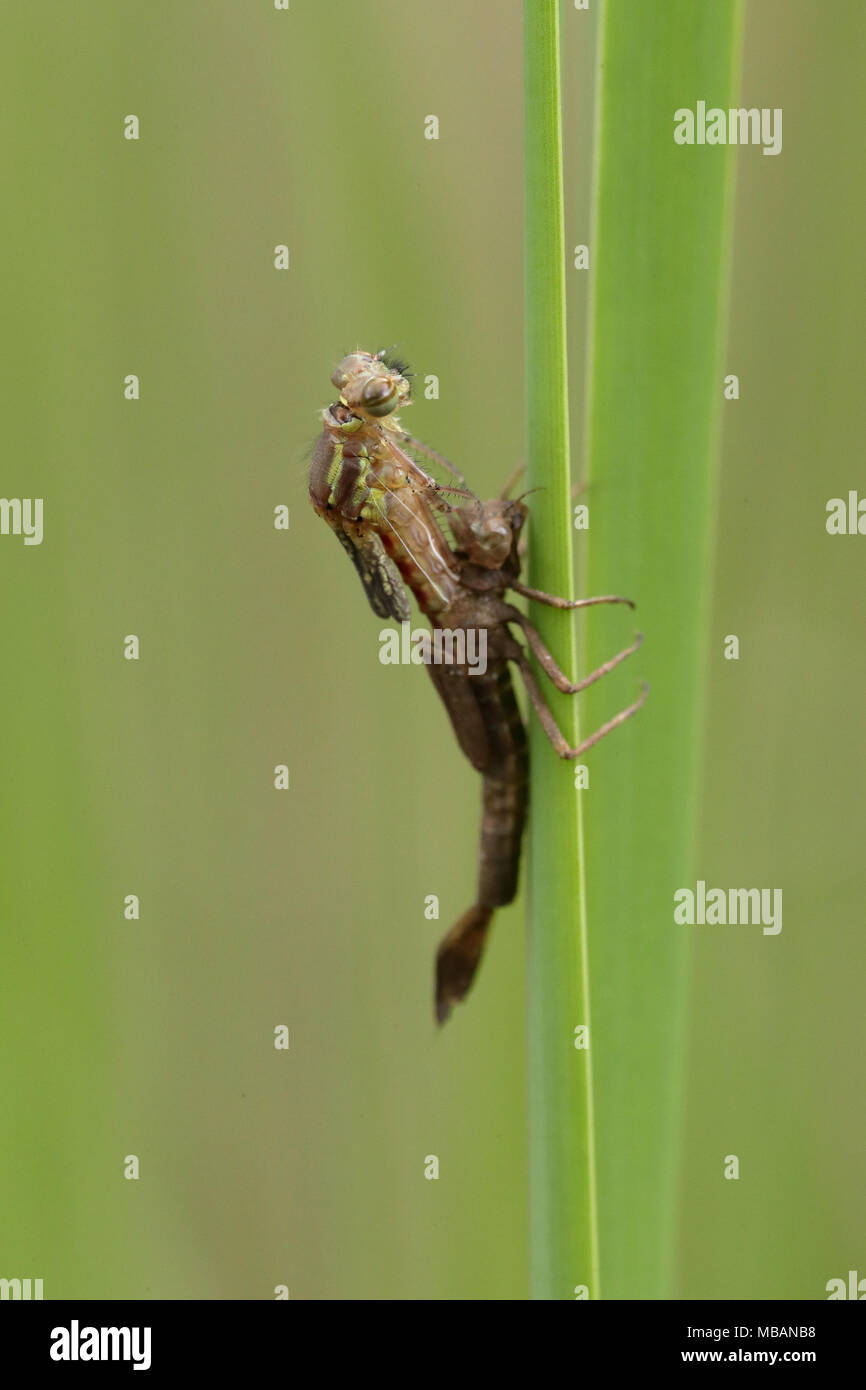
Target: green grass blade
660,250
563,1245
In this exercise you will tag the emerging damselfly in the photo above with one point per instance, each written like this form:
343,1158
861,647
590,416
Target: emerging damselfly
389,513
379,502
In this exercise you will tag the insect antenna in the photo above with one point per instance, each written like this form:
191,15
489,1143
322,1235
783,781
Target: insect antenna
394,364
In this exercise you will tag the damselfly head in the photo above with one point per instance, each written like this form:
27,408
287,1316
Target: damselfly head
371,386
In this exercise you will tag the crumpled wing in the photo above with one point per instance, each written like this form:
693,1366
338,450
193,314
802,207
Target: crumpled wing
387,594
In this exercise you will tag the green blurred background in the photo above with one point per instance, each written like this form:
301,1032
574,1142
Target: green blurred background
258,907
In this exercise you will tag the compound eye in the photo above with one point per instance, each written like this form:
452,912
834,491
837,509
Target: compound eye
379,396
349,367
